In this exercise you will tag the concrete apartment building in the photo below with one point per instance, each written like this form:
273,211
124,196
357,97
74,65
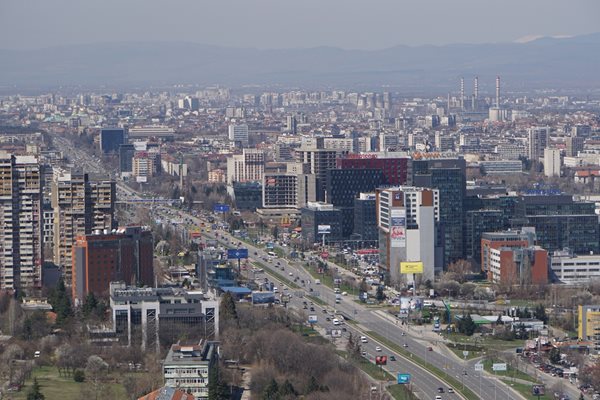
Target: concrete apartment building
80,208
21,239
246,167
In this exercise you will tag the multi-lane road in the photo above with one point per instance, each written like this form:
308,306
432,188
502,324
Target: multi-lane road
426,383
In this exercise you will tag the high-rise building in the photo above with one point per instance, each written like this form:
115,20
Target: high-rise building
21,239
448,175
395,166
583,131
246,167
365,219
320,160
291,124
111,139
407,218
345,185
239,134
552,162
100,258
443,142
126,152
80,207
574,146
539,138
290,189
320,219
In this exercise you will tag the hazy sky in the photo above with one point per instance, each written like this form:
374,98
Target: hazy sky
365,24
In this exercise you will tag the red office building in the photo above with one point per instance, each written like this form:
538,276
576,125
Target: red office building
125,254
395,169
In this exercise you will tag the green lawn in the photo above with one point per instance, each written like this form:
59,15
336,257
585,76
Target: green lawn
525,390
401,392
54,386
458,350
486,342
509,373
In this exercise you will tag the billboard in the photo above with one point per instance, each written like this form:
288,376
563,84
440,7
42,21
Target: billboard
312,319
381,360
335,333
411,303
411,267
398,228
323,229
237,253
538,390
222,208
263,297
403,379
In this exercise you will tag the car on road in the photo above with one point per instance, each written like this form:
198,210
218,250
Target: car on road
405,345
378,348
392,358
430,348
363,339
438,397
440,390
312,309
450,390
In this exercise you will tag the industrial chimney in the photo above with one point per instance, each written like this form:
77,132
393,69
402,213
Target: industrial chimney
462,93
497,92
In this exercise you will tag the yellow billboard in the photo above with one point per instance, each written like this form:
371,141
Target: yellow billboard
411,267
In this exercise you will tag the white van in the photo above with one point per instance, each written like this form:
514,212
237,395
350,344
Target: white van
317,281
336,321
363,339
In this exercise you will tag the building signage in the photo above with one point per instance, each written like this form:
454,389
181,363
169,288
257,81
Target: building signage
323,229
398,228
411,267
221,208
237,253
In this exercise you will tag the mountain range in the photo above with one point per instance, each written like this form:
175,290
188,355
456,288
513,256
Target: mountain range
542,63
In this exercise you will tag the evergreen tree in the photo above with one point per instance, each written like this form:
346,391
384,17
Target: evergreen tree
287,389
35,392
227,310
380,296
554,355
217,388
271,391
466,325
312,386
89,305
61,303
499,320
540,313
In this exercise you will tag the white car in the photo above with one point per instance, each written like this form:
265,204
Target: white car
377,348
363,339
438,397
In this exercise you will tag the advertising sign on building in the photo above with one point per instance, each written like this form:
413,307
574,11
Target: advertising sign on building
403,379
312,319
411,267
323,229
398,228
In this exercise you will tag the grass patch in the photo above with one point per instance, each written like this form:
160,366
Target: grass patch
458,350
484,342
509,373
374,371
401,392
466,392
54,386
317,300
525,390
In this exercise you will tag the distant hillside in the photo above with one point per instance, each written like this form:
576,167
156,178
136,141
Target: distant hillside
546,62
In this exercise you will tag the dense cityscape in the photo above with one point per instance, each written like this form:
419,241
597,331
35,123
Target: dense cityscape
393,237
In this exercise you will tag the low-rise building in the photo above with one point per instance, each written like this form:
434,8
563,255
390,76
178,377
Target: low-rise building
571,268
588,326
187,367
150,316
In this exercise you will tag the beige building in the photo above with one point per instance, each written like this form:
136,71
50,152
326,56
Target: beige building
21,218
246,167
80,207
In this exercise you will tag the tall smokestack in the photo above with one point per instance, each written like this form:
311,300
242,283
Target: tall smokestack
476,91
498,92
448,109
462,93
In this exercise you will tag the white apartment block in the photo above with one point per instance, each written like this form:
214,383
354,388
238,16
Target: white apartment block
21,240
